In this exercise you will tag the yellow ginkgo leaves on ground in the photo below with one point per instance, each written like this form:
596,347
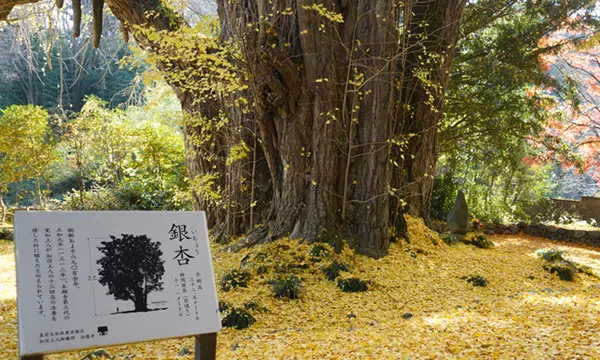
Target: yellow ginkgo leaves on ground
418,304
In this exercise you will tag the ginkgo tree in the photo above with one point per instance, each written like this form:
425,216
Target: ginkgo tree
338,103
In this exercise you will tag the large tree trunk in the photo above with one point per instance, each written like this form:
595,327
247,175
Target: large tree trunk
424,76
324,138
330,86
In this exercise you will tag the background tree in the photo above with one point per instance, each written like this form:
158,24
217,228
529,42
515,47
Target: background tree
27,149
492,141
131,267
46,66
129,159
573,135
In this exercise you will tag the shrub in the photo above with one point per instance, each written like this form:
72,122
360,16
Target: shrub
433,240
95,198
234,279
336,243
318,252
444,193
6,233
551,255
286,287
557,264
224,306
450,239
299,263
352,285
332,271
238,318
251,305
481,241
564,269
254,306
260,257
477,280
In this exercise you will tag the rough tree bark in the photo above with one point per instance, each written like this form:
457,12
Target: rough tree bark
424,76
324,136
7,5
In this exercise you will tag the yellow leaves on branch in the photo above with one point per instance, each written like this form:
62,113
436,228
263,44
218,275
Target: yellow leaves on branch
322,11
194,60
237,152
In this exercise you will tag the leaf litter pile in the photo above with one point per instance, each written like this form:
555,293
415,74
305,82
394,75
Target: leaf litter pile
424,300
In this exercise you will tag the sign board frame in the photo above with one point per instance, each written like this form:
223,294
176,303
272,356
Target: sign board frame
205,343
205,348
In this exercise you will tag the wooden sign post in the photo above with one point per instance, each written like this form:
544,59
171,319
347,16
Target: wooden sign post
95,279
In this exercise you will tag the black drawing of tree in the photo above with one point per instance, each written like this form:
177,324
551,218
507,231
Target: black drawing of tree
131,268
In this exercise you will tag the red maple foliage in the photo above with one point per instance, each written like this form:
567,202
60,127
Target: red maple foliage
572,133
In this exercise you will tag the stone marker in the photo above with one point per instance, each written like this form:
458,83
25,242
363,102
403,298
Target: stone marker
458,219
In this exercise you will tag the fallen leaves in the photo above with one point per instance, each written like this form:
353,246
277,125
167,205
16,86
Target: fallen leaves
515,316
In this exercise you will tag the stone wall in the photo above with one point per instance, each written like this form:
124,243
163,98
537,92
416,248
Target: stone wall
587,237
587,207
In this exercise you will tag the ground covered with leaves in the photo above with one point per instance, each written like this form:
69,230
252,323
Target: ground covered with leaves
426,299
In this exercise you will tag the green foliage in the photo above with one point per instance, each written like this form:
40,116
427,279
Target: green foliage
443,195
134,159
251,305
95,198
318,252
234,279
558,264
480,240
495,106
286,287
502,189
332,271
6,233
48,67
477,280
224,306
237,318
352,285
27,149
551,254
449,239
565,270
255,306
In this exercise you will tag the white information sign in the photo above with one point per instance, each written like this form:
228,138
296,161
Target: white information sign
97,278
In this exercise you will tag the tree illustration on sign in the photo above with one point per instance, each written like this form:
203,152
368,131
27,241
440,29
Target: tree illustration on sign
131,267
